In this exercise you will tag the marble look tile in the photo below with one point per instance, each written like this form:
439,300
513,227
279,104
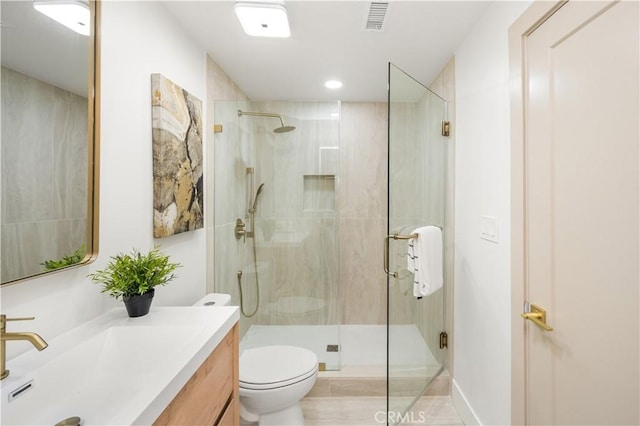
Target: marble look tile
209,145
31,244
345,411
70,155
322,388
232,156
225,89
306,268
363,160
27,196
287,157
440,386
362,282
69,236
210,268
435,410
358,387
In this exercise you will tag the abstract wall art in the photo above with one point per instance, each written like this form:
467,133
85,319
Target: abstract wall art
177,158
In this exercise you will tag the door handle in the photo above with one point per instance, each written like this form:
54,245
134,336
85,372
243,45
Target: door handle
538,316
385,260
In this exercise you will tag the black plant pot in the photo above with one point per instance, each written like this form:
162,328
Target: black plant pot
139,304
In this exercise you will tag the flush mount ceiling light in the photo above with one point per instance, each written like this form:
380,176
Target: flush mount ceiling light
333,84
73,14
262,19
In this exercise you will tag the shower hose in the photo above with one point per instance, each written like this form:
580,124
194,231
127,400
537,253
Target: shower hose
255,267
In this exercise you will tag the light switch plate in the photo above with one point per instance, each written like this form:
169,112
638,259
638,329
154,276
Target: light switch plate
489,228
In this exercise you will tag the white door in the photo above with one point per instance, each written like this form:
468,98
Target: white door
581,215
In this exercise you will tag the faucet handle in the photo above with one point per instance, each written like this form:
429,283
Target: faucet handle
3,318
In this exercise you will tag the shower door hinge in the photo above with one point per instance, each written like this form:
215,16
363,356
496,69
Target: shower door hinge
445,128
444,340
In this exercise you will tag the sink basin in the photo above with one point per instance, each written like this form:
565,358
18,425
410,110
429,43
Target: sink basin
115,369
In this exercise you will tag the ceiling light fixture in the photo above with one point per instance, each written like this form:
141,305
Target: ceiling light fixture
73,14
333,84
263,19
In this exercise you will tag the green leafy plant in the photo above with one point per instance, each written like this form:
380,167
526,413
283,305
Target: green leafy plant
128,274
68,260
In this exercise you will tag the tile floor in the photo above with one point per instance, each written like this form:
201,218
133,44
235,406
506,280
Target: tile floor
361,411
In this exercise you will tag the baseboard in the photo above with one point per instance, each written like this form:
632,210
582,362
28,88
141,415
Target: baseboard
467,415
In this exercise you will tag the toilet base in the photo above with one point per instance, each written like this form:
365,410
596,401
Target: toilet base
291,416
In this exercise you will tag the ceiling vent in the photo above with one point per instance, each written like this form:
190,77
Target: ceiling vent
376,15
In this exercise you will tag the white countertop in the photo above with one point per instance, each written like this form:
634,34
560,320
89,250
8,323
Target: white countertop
114,369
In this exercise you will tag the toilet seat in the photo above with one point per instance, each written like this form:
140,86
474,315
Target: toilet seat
272,367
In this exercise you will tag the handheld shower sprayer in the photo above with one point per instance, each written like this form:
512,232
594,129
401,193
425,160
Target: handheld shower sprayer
251,234
254,207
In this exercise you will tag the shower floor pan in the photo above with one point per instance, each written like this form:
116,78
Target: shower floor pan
359,368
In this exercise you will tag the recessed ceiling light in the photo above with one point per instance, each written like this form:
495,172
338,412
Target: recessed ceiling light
72,14
333,84
263,19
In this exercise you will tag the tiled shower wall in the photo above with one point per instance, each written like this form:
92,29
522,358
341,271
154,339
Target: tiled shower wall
297,227
44,128
363,212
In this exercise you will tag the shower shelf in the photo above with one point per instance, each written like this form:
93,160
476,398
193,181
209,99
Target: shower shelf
319,193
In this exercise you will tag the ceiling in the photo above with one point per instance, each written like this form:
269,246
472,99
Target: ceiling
39,47
328,41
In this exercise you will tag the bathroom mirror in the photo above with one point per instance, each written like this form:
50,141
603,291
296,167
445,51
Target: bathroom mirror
49,151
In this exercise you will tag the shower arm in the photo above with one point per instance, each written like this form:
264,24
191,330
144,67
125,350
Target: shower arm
261,114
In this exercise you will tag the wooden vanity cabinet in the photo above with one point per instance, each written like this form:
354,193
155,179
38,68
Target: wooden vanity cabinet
210,397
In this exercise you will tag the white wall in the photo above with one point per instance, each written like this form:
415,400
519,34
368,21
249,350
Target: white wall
138,38
482,302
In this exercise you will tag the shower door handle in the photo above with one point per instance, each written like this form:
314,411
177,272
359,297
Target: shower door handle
385,260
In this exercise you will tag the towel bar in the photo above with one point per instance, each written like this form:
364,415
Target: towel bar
385,260
403,237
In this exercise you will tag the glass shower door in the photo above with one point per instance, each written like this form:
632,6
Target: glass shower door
417,182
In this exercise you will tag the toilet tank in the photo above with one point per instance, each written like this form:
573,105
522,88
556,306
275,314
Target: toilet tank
214,299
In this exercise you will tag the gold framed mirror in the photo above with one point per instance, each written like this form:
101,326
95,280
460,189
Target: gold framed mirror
50,138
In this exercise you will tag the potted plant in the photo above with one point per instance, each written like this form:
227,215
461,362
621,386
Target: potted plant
133,276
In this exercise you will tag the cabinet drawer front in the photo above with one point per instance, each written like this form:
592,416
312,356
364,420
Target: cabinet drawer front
202,399
228,416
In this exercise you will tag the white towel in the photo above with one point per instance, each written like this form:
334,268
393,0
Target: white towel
424,259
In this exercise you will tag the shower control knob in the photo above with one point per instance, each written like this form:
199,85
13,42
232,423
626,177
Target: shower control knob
239,230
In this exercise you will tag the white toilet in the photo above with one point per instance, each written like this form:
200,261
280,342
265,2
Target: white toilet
273,379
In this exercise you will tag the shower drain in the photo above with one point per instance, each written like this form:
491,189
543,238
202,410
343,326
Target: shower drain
333,348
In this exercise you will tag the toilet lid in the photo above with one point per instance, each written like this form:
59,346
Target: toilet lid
275,366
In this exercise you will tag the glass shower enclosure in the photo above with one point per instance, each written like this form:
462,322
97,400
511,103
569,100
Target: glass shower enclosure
417,197
277,234
276,247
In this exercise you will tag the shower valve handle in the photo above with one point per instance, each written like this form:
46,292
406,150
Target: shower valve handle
239,230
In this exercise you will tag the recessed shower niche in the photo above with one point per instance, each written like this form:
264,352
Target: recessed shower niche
319,193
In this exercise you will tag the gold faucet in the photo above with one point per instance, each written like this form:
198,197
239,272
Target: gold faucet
33,338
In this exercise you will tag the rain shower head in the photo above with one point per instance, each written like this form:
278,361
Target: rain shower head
284,129
281,129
